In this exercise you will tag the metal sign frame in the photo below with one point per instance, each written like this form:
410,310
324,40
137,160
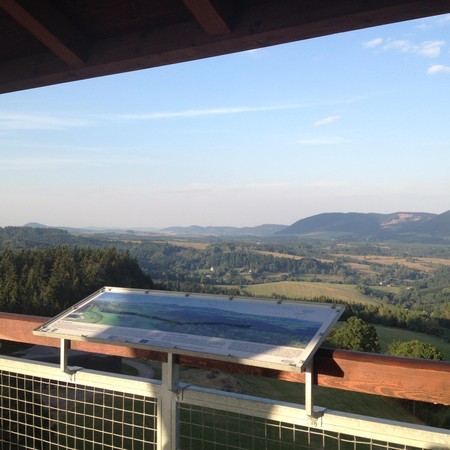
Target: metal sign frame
267,333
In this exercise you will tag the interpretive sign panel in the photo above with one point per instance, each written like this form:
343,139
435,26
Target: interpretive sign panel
265,333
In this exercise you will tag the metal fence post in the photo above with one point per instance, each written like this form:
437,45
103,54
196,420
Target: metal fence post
313,413
167,406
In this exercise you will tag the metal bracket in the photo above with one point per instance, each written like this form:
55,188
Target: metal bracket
312,413
180,391
172,373
167,410
65,346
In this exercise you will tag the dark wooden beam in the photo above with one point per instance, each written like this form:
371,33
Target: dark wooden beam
260,25
208,16
412,379
51,28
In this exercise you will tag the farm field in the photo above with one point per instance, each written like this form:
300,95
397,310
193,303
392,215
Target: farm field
309,290
361,268
194,245
419,263
278,254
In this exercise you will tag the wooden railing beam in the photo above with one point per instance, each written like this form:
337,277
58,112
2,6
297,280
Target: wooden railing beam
370,373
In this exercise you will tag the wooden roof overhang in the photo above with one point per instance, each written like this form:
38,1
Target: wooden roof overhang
45,42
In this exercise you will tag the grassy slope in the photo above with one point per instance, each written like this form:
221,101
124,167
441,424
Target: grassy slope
339,400
363,404
387,334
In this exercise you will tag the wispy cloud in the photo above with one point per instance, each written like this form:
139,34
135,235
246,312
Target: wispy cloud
373,43
434,22
438,68
327,120
18,145
254,53
23,155
429,49
13,121
206,112
318,141
39,162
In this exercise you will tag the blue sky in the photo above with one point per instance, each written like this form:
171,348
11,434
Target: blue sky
357,121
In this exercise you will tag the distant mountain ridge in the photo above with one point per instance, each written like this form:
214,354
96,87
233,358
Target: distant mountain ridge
35,225
193,230
412,226
261,230
371,224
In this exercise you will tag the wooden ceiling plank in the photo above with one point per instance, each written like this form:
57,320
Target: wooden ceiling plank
70,54
209,18
260,25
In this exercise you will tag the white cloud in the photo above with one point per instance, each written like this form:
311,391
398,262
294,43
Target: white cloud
429,49
438,68
322,141
13,121
434,22
400,45
192,113
327,120
254,53
205,112
373,43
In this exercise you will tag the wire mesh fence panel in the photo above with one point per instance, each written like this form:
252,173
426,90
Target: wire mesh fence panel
39,413
44,408
203,428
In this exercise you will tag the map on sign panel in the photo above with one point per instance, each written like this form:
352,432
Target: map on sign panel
265,333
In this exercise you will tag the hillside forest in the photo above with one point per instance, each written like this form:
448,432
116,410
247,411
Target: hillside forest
386,284
43,271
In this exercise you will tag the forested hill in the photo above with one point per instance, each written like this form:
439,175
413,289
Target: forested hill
261,230
412,227
27,237
48,281
404,226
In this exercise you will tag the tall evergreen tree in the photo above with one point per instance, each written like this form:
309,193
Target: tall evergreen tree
47,281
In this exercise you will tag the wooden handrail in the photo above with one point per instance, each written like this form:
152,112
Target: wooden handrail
406,378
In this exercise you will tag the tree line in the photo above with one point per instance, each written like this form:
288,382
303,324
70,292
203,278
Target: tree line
28,237
355,334
171,262
48,281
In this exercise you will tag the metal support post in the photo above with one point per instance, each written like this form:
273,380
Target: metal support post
65,346
64,357
167,406
312,413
